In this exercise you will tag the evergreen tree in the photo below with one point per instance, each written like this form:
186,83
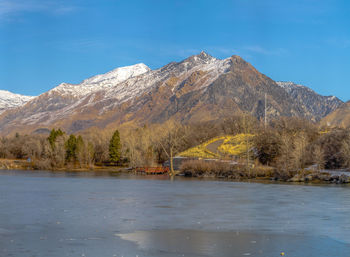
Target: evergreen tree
80,143
90,153
80,151
53,136
71,148
114,147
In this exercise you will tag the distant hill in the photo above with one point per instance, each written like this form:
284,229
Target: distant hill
199,88
339,118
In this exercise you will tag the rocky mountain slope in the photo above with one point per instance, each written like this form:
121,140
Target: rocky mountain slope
338,118
10,100
199,88
311,102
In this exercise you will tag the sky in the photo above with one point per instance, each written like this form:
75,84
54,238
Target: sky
46,42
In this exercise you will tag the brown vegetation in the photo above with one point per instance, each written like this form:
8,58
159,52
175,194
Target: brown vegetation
210,168
282,149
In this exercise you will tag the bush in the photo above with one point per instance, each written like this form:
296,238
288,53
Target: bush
220,169
43,164
199,168
263,172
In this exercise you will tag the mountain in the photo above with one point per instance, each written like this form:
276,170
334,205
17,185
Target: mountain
10,100
100,82
338,118
199,88
312,103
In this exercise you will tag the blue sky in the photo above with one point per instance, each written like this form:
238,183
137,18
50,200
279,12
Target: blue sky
46,42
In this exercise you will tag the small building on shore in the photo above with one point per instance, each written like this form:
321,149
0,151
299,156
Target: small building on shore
177,161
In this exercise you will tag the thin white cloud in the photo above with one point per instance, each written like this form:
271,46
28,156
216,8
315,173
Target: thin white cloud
187,52
172,50
14,8
10,7
223,50
65,9
261,50
80,44
184,51
246,51
339,42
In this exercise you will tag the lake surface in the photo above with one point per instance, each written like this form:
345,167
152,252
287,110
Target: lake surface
83,214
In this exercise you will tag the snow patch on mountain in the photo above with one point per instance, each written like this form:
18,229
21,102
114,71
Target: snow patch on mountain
105,92
119,74
290,86
10,100
136,86
311,102
119,94
100,82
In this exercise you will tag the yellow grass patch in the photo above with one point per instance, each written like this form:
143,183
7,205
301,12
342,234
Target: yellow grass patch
231,146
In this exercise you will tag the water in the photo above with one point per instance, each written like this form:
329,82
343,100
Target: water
82,214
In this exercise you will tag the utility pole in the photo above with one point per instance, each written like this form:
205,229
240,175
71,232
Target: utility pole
265,110
247,141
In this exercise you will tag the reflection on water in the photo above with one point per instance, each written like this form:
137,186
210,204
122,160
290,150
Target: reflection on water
102,214
208,243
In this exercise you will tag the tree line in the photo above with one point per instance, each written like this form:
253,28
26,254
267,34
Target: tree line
287,144
60,150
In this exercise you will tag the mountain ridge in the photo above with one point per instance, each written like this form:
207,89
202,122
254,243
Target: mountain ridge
198,88
338,118
9,100
310,100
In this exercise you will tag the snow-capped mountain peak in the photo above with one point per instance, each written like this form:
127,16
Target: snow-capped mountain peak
201,87
102,81
119,74
10,100
202,58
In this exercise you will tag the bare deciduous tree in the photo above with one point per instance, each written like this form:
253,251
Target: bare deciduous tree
299,151
284,162
171,139
318,156
345,152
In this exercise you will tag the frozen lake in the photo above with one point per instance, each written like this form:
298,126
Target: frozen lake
83,214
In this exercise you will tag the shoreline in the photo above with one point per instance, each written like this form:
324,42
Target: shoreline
15,164
328,179
303,176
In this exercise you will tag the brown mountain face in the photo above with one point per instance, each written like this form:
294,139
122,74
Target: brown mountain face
311,103
339,118
199,88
